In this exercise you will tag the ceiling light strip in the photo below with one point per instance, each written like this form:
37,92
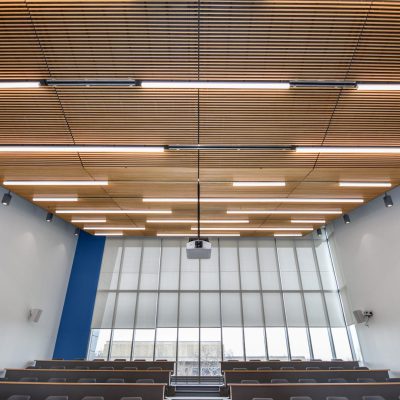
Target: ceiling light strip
287,234
194,221
55,183
348,149
286,212
114,228
308,221
254,200
49,199
266,229
93,211
365,184
191,234
89,221
79,149
108,234
249,85
259,184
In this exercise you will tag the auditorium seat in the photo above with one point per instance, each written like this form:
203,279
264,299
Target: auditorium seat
264,368
115,380
366,380
81,367
336,398
139,359
300,398
296,359
28,379
130,368
154,368
392,379
336,359
373,398
106,368
99,359
312,368
87,380
335,368
130,398
57,380
19,397
361,368
250,381
262,398
307,380
337,380
286,368
57,398
144,380
279,381
252,360
59,367
93,398
240,369
120,359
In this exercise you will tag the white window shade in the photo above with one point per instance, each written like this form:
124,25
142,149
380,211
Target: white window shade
190,272
150,265
209,269
146,310
210,310
287,265
103,310
189,310
307,267
252,310
334,307
130,265
167,310
170,264
110,265
270,279
315,310
294,309
273,309
125,311
229,264
248,258
231,309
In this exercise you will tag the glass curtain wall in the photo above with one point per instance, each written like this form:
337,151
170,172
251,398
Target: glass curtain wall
253,299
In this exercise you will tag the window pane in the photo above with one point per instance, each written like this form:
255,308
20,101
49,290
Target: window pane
121,345
210,351
103,310
143,346
209,270
294,309
166,343
188,352
231,309
233,343
254,343
287,265
341,342
167,310
189,310
125,313
273,309
325,265
189,272
146,310
150,264
308,271
315,310
334,309
250,278
276,340
320,343
170,264
99,343
298,343
229,264
268,265
130,265
210,310
110,265
252,309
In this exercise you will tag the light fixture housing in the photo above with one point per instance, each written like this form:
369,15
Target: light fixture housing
6,200
387,199
319,232
55,183
365,184
19,84
49,217
258,184
76,232
346,218
248,85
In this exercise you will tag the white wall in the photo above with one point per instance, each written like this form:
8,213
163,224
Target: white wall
35,264
368,255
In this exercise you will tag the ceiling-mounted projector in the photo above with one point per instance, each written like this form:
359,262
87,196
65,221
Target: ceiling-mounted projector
198,248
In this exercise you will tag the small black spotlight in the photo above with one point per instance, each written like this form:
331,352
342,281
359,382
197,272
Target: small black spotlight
319,232
76,233
49,217
6,199
346,218
387,199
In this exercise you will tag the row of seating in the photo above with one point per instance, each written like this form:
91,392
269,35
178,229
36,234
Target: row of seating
27,397
327,398
309,380
84,380
294,368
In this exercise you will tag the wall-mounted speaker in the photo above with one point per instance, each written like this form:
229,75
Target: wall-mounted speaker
359,316
34,314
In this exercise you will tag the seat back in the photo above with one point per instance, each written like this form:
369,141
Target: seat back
28,379
279,381
59,380
19,397
337,380
115,380
144,380
250,381
307,380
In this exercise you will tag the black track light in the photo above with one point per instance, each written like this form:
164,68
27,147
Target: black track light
346,218
6,199
319,232
76,233
387,199
49,217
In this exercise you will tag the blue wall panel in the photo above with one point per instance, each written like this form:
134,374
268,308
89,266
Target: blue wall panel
73,333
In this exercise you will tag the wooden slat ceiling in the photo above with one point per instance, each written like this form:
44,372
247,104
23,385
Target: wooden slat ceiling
208,40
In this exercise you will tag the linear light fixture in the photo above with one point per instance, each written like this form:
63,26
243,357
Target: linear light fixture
19,84
92,211
79,149
365,184
287,234
377,86
90,221
349,149
194,221
286,212
108,234
114,228
194,228
253,200
215,85
259,184
54,199
308,221
190,234
55,183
